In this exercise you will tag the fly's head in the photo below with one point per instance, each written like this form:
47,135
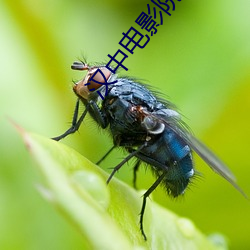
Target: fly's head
96,76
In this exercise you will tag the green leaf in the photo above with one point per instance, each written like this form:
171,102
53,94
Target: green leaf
107,215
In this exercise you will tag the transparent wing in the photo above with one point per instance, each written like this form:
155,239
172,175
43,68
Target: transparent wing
175,124
208,156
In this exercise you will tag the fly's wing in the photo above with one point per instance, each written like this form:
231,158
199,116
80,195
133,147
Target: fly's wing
212,160
175,124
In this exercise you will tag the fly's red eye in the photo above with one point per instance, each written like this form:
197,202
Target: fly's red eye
97,77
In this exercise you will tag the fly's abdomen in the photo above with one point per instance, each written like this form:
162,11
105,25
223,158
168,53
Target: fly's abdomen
178,176
170,155
180,166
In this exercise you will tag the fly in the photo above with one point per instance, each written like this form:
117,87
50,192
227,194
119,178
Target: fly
149,128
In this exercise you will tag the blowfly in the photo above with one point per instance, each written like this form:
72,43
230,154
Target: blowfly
148,127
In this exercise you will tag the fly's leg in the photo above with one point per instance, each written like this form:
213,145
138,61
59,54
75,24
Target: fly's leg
97,114
136,167
145,196
124,161
93,109
105,155
75,124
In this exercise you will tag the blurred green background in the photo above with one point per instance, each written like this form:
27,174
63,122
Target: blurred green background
199,58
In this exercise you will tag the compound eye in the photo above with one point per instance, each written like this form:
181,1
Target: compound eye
97,77
153,126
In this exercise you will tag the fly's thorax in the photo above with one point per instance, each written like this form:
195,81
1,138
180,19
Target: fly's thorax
95,77
152,125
